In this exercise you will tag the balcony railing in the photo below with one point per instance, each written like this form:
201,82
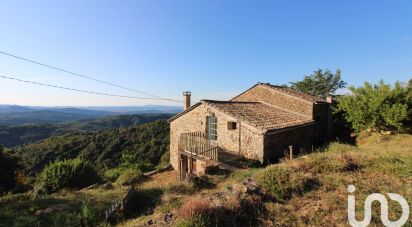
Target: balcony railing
197,144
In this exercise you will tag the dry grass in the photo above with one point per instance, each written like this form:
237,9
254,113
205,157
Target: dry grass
379,163
195,207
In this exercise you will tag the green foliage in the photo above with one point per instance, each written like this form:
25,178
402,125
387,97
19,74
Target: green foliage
139,146
129,177
282,183
164,161
10,197
75,173
9,166
195,221
377,106
111,175
14,135
321,83
87,214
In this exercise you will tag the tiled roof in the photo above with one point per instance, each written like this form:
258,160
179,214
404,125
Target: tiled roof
288,91
259,115
295,93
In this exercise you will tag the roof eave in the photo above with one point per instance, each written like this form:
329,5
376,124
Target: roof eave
183,112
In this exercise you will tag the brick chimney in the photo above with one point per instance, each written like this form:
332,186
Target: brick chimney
186,99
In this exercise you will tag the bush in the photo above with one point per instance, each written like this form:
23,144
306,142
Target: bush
195,212
74,173
236,211
129,177
9,169
377,106
87,214
111,175
327,163
282,183
164,161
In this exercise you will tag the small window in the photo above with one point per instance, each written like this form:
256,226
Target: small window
231,125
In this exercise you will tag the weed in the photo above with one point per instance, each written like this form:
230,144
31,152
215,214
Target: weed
282,183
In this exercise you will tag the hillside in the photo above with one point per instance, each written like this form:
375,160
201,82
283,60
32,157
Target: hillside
145,144
11,136
308,191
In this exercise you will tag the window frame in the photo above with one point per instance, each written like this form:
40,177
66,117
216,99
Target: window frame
212,127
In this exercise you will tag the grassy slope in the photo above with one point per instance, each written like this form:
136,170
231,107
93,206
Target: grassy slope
377,164
22,213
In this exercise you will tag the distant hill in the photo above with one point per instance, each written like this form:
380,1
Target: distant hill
11,136
14,109
46,117
138,109
145,144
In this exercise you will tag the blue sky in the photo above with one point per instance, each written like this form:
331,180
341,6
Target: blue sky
215,49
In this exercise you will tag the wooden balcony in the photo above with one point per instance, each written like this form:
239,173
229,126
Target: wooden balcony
197,144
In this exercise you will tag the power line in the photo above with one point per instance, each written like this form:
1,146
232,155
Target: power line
80,90
83,76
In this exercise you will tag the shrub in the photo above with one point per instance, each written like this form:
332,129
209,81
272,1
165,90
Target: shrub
9,167
111,175
377,106
129,177
195,212
236,211
195,207
338,159
74,173
164,161
282,183
87,214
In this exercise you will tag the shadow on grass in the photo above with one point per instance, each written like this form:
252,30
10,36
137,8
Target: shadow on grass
220,172
144,201
23,213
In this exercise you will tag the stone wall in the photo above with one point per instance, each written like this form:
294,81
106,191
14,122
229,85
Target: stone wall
276,144
323,116
249,145
192,121
264,94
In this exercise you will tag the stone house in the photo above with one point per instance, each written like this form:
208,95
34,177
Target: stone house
263,123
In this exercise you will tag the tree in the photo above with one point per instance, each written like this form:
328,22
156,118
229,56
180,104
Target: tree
377,106
321,83
9,165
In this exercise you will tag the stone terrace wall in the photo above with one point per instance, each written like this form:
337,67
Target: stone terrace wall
264,94
278,143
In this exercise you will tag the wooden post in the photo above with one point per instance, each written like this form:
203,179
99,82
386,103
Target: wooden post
291,152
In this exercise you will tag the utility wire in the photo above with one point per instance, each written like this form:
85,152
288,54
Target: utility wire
79,90
87,77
